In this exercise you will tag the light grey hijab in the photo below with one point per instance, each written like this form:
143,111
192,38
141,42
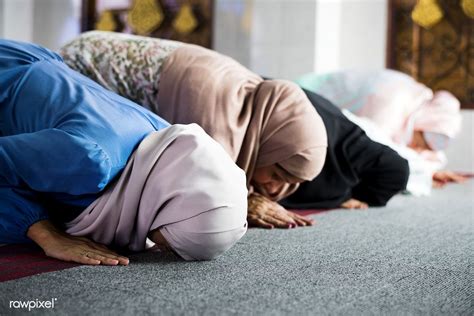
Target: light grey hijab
180,181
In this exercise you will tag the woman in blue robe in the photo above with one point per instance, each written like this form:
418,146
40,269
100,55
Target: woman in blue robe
63,138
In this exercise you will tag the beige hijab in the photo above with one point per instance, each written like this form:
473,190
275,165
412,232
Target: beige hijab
259,123
178,180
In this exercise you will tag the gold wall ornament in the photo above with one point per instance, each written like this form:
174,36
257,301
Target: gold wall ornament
427,13
441,57
185,21
145,16
106,22
468,7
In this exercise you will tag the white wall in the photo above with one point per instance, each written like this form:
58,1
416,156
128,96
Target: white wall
233,20
363,34
285,39
2,22
17,19
274,38
327,39
50,23
55,22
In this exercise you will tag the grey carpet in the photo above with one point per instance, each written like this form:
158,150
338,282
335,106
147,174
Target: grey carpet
413,257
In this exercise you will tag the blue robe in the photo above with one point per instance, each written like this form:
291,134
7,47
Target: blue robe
63,137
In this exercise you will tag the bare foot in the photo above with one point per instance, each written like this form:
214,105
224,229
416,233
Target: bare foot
441,178
354,204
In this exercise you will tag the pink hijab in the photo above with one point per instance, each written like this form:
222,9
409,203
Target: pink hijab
178,180
440,115
394,101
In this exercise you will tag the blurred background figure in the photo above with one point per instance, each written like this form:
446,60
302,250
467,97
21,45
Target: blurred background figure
396,110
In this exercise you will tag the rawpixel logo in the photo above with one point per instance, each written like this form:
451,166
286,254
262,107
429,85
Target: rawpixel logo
36,304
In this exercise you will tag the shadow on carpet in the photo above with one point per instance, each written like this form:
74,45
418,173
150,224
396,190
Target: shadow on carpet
22,260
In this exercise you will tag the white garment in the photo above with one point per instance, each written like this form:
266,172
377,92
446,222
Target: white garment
422,166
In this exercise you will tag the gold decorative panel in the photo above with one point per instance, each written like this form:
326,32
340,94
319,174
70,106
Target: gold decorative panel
145,16
433,41
187,21
427,13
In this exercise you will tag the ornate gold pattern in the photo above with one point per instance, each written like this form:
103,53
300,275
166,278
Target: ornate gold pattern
468,7
145,16
106,22
188,21
427,13
441,57
185,21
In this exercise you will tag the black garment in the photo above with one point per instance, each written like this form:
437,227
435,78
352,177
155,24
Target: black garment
356,167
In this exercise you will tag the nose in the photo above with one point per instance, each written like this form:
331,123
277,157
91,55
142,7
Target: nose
273,187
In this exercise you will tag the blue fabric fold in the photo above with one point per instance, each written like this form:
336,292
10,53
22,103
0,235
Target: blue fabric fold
61,135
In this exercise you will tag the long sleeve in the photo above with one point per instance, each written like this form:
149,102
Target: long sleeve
62,136
53,160
60,131
19,209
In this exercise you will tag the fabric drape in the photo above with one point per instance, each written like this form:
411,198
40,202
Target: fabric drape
179,180
258,122
355,166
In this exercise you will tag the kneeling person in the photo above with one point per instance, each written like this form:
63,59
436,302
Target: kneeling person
64,144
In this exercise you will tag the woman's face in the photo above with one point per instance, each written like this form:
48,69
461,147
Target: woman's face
418,142
271,180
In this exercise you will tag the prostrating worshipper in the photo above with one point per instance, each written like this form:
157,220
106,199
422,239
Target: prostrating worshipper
268,127
398,110
358,172
106,171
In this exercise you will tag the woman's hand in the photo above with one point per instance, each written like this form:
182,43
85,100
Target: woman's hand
265,213
59,245
354,204
440,178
